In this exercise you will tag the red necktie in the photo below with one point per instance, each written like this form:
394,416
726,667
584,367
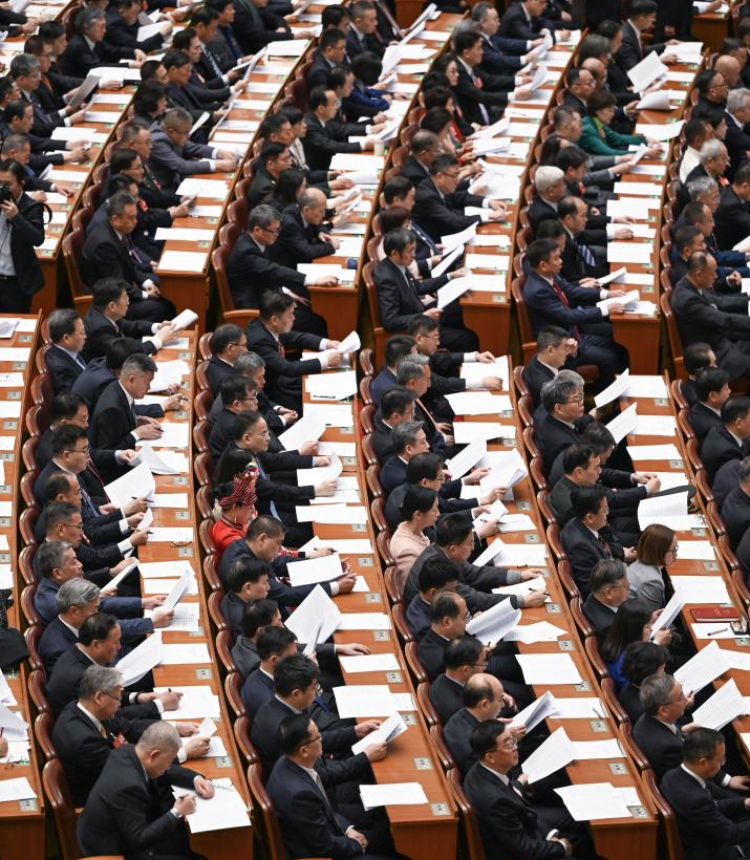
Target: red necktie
564,299
281,348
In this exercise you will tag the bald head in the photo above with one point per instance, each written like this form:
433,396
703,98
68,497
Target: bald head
597,69
730,68
312,205
157,747
483,696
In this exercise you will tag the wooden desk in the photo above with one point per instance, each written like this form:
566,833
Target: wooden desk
22,823
711,29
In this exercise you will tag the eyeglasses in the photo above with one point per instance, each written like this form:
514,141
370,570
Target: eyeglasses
508,745
575,400
452,175
77,450
274,230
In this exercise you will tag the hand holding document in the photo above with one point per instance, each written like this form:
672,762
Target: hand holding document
453,290
164,463
465,460
454,239
447,261
224,811
138,483
306,429
553,755
725,705
669,613
388,731
493,624
647,71
141,660
535,713
623,424
507,469
316,617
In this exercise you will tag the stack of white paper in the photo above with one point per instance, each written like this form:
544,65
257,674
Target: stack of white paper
494,623
142,659
479,403
725,705
346,546
138,483
535,713
670,510
185,654
553,755
698,550
654,452
549,669
316,618
388,731
332,386
701,589
224,811
541,631
465,432
588,750
364,621
16,789
309,571
593,801
392,794
364,700
370,663
352,514
704,667
624,424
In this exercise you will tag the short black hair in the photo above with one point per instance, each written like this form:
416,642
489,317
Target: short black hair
294,672
96,628
462,651
587,500
436,572
484,737
452,529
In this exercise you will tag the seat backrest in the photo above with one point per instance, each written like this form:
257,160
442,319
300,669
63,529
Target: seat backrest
366,359
519,381
43,726
528,340
37,681
444,754
469,826
210,573
224,649
201,432
63,810
27,605
673,333
405,633
416,668
32,635
425,704
366,420
591,646
674,849
242,736
632,748
272,842
204,533
677,393
395,580
214,610
232,686
579,616
609,692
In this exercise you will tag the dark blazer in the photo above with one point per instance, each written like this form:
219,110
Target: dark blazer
701,319
702,419
481,95
399,294
245,656
128,608
735,513
737,142
255,28
122,814
393,473
262,188
217,370
718,448
583,551
711,824
263,734
251,272
553,437
535,375
356,45
727,479
27,233
318,72
382,441
257,689
78,59
297,242
600,616
222,433
732,219
431,651
106,256
283,377
457,735
546,308
629,698
322,142
661,746
418,616
56,640
495,61
309,824
96,377
101,331
508,823
632,50
91,483
413,170
442,215
515,25
63,369
113,420
122,35
447,697
381,383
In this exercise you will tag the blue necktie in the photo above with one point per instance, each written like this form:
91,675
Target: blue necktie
87,503
586,254
272,505
418,231
212,62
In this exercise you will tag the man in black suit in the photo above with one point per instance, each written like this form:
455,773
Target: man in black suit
256,24
641,660
727,441
396,347
423,148
435,576
396,406
326,136
641,17
22,225
330,55
737,141
301,785
585,250
63,358
735,511
304,237
713,164
712,390
439,206
271,334
609,590
238,394
77,600
108,252
87,730
509,824
115,424
523,20
464,657
123,25
703,316
131,809
362,34
409,439
483,699
501,56
227,343
587,539
563,403
272,644
697,357
414,374
712,90
712,822
448,615
272,161
88,49
251,271
296,683
553,346
733,215
402,297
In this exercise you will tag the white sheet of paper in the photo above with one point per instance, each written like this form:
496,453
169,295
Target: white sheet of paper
185,654
337,385
549,669
704,667
654,452
364,700
465,432
553,755
334,414
593,801
699,550
177,501
142,659
316,618
655,425
164,569
669,510
137,483
388,731
579,708
224,811
719,710
364,621
479,403
392,794
344,514
171,534
313,570
624,424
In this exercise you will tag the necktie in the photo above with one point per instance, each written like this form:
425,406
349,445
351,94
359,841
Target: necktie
87,503
280,345
80,361
272,504
212,62
477,81
133,252
605,547
231,42
418,231
319,784
564,299
586,254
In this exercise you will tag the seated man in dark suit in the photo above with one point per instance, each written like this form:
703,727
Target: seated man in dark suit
727,441
409,439
712,390
108,252
303,236
63,358
484,699
641,17
501,55
464,656
439,206
272,161
434,577
397,405
331,53
301,786
77,600
703,316
587,538
326,136
272,644
115,425
505,817
228,343
362,34
553,301
402,297
251,272
238,394
255,618
553,346
123,25
712,822
271,333
448,614
423,148
105,322
697,357
609,589
563,403
247,581
127,814
87,731
414,374
396,347
87,49
641,660
733,214
735,511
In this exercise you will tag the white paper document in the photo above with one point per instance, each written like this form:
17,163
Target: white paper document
535,713
549,669
186,654
345,546
142,659
316,618
579,708
725,705
337,385
224,811
309,571
540,631
364,700
698,550
465,432
388,731
138,483
588,750
351,514
669,613
553,755
704,667
479,403
493,624
392,794
624,424
364,621
654,452
18,788
370,663
465,460
593,801
670,510
196,703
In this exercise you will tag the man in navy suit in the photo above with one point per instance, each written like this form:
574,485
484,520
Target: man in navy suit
553,301
553,346
362,34
483,700
501,56
272,644
712,389
63,358
77,600
735,512
728,441
396,348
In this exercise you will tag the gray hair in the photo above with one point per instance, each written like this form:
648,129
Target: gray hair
75,592
87,18
480,11
262,216
411,367
566,375
711,149
655,692
607,572
405,434
745,470
557,391
138,363
736,99
116,204
22,65
546,176
176,118
98,679
311,198
51,555
701,185
247,362
160,736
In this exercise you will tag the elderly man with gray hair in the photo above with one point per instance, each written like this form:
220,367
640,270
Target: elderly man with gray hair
409,439
131,809
737,140
414,373
302,238
76,601
88,729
